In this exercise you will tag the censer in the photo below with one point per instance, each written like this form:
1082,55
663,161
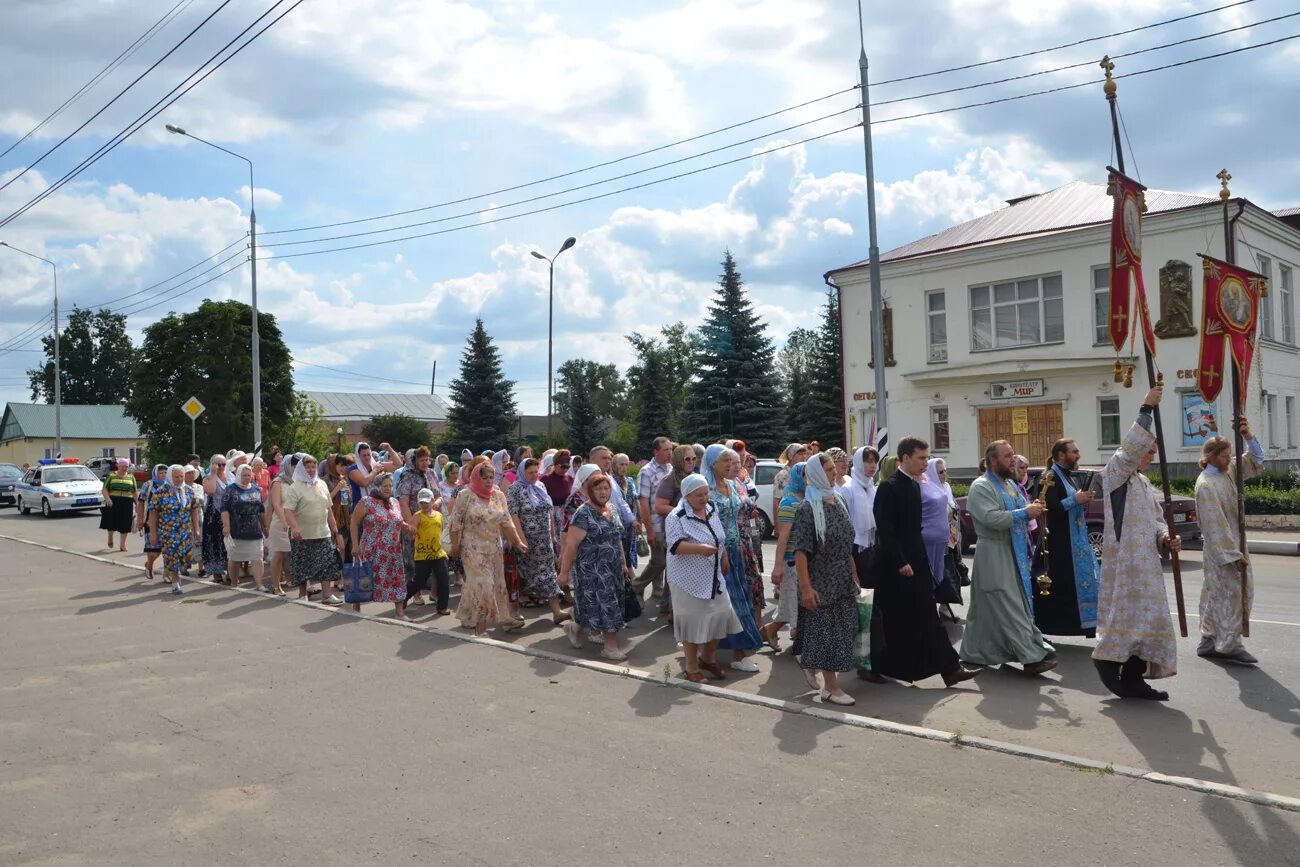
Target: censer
1043,580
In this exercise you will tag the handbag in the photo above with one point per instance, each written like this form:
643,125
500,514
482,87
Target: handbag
358,582
631,602
642,546
862,643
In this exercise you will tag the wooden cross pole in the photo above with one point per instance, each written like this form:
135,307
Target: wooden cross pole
1230,254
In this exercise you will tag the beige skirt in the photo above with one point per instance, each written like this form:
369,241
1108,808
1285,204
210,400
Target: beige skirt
277,538
243,550
699,621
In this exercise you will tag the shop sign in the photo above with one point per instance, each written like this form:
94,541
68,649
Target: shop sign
1020,389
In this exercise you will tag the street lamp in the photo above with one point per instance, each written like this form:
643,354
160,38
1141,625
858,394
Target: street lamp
252,260
58,373
550,325
340,436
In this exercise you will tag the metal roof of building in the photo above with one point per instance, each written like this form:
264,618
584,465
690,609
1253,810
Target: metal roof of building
358,406
93,421
1073,206
1287,212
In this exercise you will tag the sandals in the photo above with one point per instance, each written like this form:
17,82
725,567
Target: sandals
713,669
693,676
769,633
562,618
615,655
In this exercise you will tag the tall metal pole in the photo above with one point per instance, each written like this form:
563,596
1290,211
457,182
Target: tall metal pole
1230,255
550,343
1152,379
877,302
58,366
252,260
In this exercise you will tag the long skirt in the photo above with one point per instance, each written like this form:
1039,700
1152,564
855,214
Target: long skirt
748,637
827,635
313,560
214,542
699,621
118,515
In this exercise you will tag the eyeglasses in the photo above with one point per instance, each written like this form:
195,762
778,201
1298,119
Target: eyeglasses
222,464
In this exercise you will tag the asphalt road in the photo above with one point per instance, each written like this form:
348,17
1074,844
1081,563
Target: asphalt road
221,728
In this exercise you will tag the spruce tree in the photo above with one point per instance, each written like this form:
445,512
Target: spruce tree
825,393
583,423
651,391
734,390
483,412
793,362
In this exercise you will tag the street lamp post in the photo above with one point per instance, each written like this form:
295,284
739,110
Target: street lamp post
340,436
58,372
550,326
252,260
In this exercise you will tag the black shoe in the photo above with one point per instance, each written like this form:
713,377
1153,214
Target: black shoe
1041,667
1110,672
959,674
871,677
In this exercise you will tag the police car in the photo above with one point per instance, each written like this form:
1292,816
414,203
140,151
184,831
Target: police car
58,485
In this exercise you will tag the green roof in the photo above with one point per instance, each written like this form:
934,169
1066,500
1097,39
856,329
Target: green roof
98,421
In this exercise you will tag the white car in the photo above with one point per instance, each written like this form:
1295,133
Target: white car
761,482
59,486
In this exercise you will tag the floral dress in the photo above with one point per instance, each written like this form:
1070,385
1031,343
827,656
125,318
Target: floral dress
750,553
597,572
478,524
537,567
381,547
175,507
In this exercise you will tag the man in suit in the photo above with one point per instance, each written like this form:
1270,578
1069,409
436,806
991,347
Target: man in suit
915,643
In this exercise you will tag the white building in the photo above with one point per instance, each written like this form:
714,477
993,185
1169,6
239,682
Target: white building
999,329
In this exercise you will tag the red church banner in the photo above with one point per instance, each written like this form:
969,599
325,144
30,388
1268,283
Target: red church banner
1126,262
1228,315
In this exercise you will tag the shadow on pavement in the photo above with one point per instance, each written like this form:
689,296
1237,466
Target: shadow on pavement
327,622
656,699
261,603
1261,692
137,587
420,645
797,734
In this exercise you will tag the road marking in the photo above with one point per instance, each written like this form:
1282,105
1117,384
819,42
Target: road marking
1253,620
1205,787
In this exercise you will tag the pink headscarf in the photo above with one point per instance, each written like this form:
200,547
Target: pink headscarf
482,489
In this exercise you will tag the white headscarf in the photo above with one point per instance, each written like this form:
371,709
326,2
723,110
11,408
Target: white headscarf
584,472
300,471
239,474
365,467
932,473
692,482
466,456
819,490
548,460
862,490
499,464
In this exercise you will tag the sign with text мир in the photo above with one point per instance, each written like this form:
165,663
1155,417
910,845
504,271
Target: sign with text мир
1020,389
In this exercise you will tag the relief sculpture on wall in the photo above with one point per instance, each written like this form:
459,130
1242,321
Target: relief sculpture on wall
1175,300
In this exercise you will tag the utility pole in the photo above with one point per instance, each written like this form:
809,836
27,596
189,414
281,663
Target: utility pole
58,367
877,302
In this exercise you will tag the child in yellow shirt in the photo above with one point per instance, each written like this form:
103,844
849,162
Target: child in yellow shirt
430,558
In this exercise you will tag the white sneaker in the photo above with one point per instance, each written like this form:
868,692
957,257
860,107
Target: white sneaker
745,665
595,638
573,633
332,599
176,589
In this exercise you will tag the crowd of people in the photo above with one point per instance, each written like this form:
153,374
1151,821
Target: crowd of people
564,533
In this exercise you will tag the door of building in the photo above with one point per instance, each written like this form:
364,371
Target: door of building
1031,430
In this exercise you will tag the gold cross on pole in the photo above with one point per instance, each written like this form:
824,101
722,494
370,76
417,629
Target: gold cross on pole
1224,177
1109,65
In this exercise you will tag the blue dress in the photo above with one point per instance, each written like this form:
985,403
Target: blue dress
742,603
597,572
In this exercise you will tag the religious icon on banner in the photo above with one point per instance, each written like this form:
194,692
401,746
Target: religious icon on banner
1126,263
1228,316
1234,303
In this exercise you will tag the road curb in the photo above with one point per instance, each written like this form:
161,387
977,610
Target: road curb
814,711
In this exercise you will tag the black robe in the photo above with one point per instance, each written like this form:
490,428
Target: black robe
1058,612
915,643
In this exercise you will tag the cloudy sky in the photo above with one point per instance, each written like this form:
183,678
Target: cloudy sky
352,109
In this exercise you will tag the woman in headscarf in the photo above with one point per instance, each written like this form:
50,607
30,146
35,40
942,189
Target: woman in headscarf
313,536
828,581
575,464
577,498
783,573
377,527
747,524
261,475
595,563
200,499
530,510
697,566
173,523
243,523
841,476
738,446
119,498
479,521
499,458
860,496
365,468
214,542
944,545
720,465
157,479
440,465
278,542
790,455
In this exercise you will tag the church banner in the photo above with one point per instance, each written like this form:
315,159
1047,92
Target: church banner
1228,316
1126,262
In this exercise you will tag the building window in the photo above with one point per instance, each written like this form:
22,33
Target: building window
936,325
1290,422
1101,305
1270,419
1284,294
1020,313
939,439
108,452
49,453
1266,303
1108,411
137,455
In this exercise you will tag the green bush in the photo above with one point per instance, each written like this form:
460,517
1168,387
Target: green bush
960,489
1272,501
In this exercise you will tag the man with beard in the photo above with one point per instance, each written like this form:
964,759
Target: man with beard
1071,606
1135,634
1000,618
915,644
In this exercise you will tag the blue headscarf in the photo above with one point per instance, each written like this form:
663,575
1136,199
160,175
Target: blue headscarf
796,482
711,455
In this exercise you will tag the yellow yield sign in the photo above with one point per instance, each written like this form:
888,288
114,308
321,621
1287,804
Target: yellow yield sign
193,408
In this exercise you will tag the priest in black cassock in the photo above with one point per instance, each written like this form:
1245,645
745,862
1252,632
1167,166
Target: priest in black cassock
1070,608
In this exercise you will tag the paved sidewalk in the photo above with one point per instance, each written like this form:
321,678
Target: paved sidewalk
226,729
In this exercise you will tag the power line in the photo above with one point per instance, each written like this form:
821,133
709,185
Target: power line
158,107
1059,47
100,304
125,55
172,296
121,93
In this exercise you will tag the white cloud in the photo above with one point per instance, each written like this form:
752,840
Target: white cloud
266,198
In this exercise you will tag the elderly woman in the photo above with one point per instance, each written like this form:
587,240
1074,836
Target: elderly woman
119,498
313,535
530,510
243,523
626,486
173,518
214,543
595,562
156,481
261,476
365,468
944,555
278,542
792,454
828,581
697,564
377,530
841,458
720,466
479,521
